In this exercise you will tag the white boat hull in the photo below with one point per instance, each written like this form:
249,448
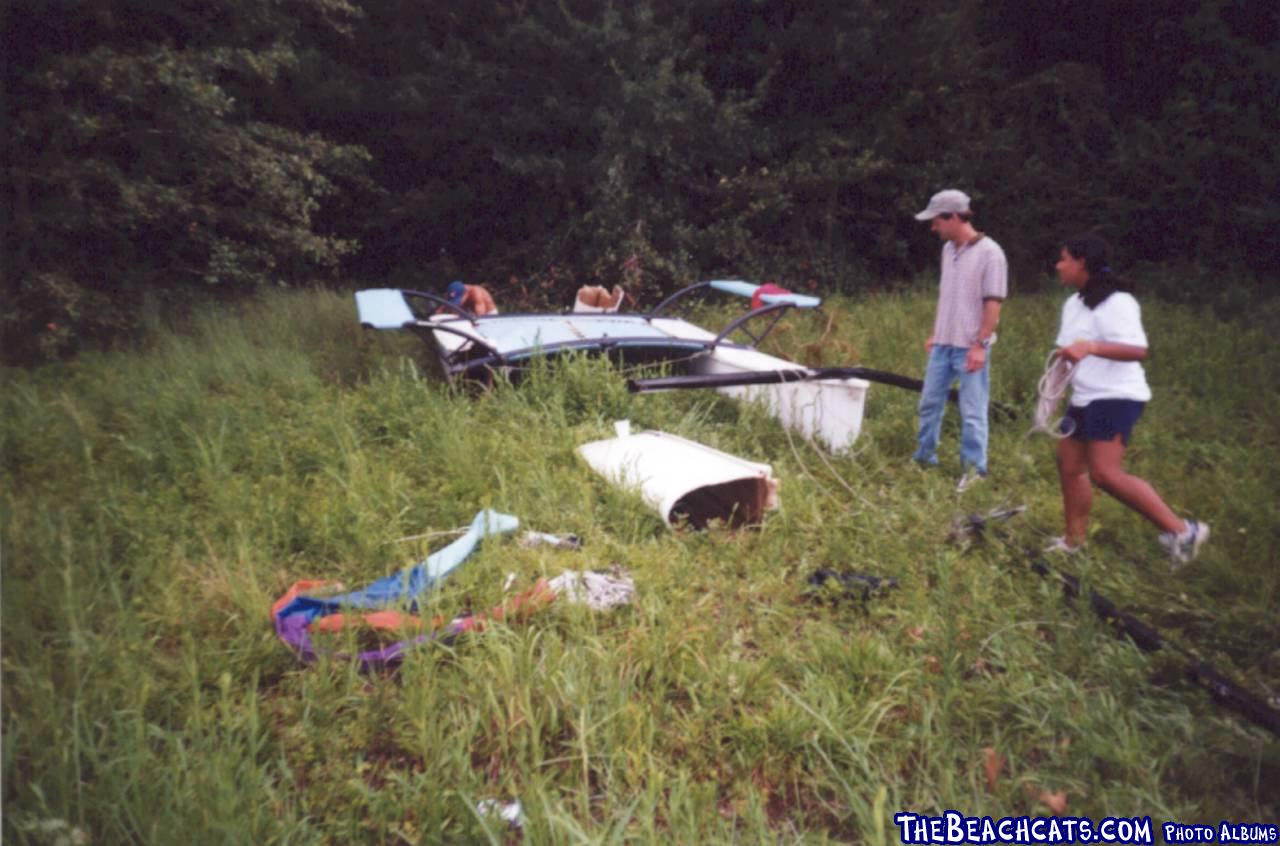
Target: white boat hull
685,480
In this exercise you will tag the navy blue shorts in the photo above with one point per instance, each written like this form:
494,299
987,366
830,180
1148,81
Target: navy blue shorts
1102,420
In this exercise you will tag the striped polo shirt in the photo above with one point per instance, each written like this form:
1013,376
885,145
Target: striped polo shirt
972,273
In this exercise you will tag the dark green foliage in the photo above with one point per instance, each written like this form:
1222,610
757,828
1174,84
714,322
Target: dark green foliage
538,145
145,158
1148,121
534,145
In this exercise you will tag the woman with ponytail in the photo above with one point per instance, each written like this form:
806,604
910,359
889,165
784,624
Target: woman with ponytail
1101,336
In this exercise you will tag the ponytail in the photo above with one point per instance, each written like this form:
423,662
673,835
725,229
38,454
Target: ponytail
1103,281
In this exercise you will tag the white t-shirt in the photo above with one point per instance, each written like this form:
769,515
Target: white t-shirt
1117,320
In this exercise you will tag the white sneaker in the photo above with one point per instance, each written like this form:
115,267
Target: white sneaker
1059,546
970,478
1183,548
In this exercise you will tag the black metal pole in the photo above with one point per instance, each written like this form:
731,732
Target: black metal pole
799,374
1148,639
774,377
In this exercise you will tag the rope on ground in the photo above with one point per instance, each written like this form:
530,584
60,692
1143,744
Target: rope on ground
795,453
425,535
823,489
832,470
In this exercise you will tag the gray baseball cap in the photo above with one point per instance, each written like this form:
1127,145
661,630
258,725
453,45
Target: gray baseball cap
950,201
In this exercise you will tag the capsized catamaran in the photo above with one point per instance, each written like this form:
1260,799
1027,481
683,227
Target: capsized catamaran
472,346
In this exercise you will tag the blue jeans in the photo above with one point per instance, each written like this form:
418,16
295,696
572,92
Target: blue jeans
946,364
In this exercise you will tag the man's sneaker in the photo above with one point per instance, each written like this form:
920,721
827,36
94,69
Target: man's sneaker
970,478
1182,548
1059,546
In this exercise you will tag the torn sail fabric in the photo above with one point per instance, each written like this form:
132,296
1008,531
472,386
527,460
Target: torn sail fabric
542,593
520,606
294,612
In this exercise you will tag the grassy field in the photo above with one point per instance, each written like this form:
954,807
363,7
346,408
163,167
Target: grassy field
156,502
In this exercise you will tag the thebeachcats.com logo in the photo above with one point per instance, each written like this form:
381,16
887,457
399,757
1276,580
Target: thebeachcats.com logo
953,827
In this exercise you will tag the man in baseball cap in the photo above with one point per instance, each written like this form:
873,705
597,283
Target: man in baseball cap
973,284
950,201
473,298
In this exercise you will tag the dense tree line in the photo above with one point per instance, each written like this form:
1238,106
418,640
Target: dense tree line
162,152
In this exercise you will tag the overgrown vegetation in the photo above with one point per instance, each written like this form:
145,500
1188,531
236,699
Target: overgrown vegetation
156,501
215,147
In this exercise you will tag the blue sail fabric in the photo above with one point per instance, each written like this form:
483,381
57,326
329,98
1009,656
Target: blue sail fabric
383,308
403,589
748,290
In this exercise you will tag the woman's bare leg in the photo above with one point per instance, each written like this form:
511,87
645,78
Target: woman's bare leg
1077,491
1106,469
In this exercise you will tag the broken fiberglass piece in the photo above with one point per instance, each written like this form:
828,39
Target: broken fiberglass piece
684,479
828,410
598,591
529,540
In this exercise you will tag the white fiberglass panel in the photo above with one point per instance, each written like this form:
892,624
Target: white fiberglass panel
683,479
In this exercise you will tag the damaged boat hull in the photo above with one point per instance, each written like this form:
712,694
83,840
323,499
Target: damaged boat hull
471,346
685,481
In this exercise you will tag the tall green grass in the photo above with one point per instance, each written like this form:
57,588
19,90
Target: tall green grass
156,502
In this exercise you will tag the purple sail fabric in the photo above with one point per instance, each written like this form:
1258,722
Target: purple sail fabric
294,612
295,631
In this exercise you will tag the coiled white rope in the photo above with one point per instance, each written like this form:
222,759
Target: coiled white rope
1052,386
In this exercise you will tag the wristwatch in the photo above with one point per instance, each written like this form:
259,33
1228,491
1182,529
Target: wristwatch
986,343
